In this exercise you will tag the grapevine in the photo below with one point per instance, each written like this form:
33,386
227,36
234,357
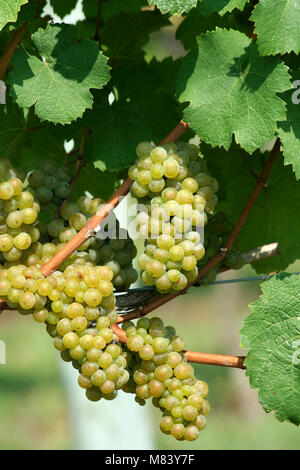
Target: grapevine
205,148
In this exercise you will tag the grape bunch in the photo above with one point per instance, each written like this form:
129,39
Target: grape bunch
18,214
173,184
51,183
158,370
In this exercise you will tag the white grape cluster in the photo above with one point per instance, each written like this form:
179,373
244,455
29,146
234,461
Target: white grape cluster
177,191
18,214
159,371
51,183
78,307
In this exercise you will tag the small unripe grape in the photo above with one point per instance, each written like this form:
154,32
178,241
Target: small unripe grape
27,300
6,242
171,168
159,154
92,297
157,185
98,378
84,382
176,253
70,340
29,215
63,326
22,241
200,422
163,372
77,353
93,394
155,268
166,423
107,387
14,219
135,343
182,371
156,388
139,190
196,401
133,172
89,368
6,190
191,433
178,430
178,344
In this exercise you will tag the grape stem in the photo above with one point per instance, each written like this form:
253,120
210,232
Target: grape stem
10,49
89,229
197,357
156,303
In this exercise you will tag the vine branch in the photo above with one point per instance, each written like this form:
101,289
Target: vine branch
10,49
197,357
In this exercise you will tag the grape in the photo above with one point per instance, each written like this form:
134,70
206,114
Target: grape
6,190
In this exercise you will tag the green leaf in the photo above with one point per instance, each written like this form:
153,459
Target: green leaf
207,7
272,335
9,10
126,34
167,69
99,184
197,22
289,130
277,25
272,219
115,7
63,8
58,84
12,129
117,129
174,7
230,90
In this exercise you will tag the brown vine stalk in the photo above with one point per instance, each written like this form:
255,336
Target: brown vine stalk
89,229
10,49
142,311
197,357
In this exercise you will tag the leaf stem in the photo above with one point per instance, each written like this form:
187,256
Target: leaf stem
197,357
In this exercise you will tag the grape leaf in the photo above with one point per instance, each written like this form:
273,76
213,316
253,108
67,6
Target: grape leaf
118,128
63,8
115,7
9,10
174,7
58,84
125,35
273,215
232,90
99,184
167,70
12,129
207,7
277,25
289,130
272,335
